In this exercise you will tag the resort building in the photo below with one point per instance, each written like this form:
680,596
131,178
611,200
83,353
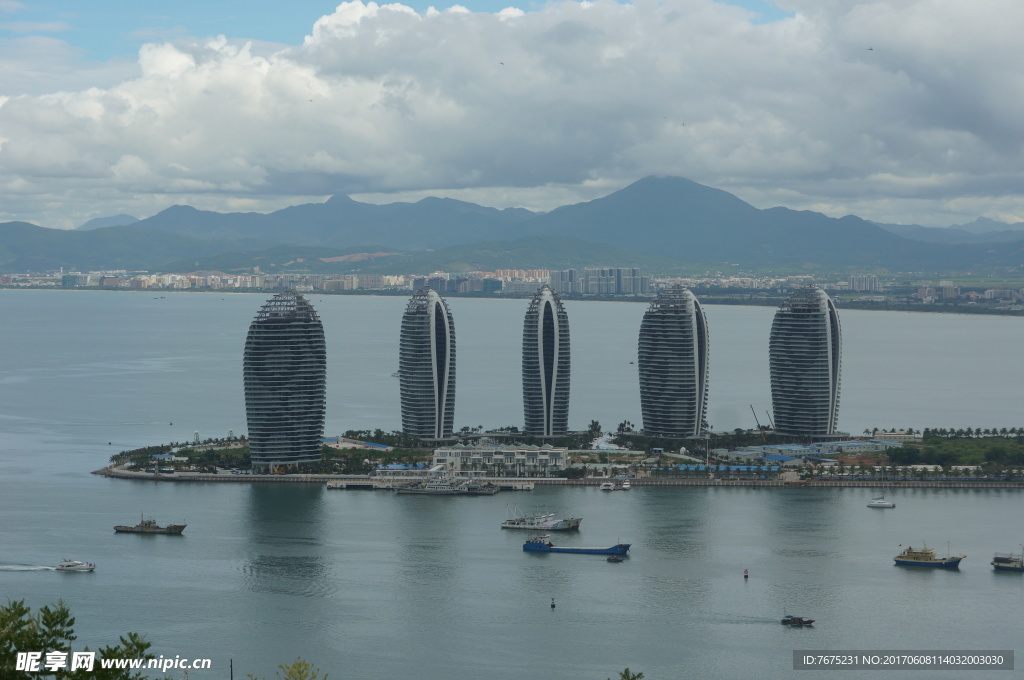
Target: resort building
672,358
426,367
546,366
804,359
285,376
502,461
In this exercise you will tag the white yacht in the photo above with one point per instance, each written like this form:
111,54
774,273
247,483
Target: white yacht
68,564
880,502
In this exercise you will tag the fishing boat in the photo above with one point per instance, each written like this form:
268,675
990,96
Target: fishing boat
517,519
149,526
880,502
790,620
925,557
1008,562
543,544
68,564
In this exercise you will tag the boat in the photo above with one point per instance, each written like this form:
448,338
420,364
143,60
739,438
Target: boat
542,544
624,484
1008,562
790,620
880,502
68,564
925,557
607,486
517,519
149,526
450,485
616,558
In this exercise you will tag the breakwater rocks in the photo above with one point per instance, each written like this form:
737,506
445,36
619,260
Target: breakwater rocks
364,482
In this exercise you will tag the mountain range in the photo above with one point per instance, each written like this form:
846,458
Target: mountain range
662,224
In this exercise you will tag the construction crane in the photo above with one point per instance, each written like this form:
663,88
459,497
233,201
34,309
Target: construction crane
759,428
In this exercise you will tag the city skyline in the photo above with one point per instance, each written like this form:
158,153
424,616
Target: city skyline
673,364
805,357
285,382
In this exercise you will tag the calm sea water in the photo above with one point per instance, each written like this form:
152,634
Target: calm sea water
366,584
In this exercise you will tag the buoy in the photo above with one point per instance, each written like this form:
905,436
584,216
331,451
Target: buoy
745,574
552,603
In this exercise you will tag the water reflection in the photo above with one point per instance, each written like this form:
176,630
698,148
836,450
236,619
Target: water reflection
286,547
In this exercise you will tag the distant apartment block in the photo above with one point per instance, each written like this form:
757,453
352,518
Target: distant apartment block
868,283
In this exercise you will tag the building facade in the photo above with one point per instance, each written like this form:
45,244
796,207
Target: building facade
285,377
511,461
546,366
426,366
672,358
805,351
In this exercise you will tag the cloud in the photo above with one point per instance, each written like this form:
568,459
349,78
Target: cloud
898,110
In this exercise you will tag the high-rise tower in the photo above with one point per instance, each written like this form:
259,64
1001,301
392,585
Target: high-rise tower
426,365
285,375
804,357
672,358
546,366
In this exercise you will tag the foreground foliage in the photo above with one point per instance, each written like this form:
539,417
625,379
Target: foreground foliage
51,629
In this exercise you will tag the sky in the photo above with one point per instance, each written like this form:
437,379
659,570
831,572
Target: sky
901,111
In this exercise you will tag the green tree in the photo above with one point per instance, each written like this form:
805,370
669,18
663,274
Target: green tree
626,675
52,630
298,670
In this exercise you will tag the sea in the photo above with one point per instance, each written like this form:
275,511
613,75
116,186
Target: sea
366,584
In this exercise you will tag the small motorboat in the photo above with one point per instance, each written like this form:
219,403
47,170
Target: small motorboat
880,502
68,564
790,620
616,558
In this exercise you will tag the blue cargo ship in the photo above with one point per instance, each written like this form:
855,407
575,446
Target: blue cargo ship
542,544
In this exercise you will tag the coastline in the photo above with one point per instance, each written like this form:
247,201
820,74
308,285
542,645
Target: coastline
365,482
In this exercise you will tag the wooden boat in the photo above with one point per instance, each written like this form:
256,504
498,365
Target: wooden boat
925,557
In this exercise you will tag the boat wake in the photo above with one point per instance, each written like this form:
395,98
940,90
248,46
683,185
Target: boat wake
25,567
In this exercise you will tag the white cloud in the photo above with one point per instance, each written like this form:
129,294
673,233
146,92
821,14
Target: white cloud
896,110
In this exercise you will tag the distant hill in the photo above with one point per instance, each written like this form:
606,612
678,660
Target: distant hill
981,230
25,247
659,223
556,252
341,222
101,222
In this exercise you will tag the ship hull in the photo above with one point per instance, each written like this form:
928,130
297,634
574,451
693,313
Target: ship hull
172,529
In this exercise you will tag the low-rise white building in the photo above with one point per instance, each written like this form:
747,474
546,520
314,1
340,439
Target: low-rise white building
517,461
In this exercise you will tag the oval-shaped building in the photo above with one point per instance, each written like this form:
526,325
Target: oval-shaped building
426,365
546,366
285,377
805,353
672,358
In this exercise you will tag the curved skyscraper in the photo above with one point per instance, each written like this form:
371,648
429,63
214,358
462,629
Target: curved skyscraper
804,357
546,366
285,376
426,366
672,358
